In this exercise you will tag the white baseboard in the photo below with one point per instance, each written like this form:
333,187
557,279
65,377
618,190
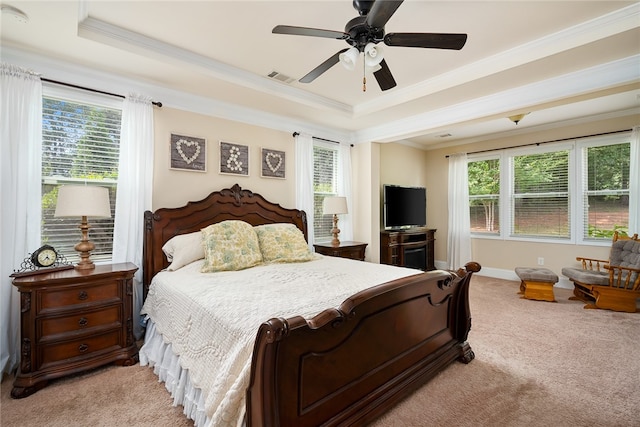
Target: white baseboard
500,273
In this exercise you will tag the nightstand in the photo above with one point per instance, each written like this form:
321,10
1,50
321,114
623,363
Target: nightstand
353,250
72,321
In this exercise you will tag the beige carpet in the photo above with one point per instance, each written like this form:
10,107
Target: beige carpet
537,364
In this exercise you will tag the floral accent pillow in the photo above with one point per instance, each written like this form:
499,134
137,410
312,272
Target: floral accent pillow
183,249
230,245
283,243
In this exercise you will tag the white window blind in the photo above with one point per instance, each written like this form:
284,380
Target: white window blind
605,177
540,197
80,145
325,183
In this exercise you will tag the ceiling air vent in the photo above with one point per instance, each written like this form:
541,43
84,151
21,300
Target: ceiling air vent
280,77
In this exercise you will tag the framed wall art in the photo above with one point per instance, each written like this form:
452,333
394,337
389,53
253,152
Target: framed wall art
234,158
188,153
273,163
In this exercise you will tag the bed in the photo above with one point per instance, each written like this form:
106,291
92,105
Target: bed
344,363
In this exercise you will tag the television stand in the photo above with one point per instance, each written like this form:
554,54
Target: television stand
411,247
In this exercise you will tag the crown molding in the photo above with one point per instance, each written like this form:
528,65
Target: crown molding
114,36
604,26
607,25
612,74
57,69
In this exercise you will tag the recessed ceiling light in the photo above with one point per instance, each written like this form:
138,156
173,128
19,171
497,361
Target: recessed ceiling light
17,14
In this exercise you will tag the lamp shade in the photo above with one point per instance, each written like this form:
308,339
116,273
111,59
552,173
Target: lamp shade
83,200
334,205
372,55
348,59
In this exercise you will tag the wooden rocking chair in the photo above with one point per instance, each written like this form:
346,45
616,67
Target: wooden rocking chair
612,284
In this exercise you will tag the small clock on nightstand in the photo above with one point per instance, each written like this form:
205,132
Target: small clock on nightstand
45,259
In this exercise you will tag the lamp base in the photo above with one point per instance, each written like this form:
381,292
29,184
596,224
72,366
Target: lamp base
335,242
85,247
89,265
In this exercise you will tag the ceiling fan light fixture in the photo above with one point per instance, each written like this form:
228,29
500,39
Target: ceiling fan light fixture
348,59
373,54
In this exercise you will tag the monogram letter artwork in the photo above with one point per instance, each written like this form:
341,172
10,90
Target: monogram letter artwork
188,153
234,158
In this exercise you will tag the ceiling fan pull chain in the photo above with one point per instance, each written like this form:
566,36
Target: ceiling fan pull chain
364,76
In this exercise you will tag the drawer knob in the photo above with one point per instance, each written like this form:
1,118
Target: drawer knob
82,295
83,321
82,348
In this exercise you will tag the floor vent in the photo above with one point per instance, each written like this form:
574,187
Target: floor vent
280,77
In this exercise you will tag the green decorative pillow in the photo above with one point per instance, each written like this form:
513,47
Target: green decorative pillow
230,245
283,243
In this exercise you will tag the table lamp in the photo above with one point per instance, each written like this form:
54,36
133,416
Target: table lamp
335,206
83,201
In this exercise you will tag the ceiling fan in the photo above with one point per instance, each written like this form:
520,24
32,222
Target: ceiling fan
364,32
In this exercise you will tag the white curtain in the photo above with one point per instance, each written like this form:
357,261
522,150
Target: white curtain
20,192
634,182
135,184
459,237
344,189
304,179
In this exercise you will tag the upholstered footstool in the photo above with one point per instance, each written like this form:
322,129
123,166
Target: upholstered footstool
537,283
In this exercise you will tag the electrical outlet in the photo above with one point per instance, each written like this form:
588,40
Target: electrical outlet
540,260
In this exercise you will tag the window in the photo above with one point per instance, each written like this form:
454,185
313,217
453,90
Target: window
605,196
572,191
484,195
80,145
540,195
325,183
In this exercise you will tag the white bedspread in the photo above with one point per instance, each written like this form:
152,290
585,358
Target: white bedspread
211,319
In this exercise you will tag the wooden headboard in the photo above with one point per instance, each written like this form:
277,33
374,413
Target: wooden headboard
227,204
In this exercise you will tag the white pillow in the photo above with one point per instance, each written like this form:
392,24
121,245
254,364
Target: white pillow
183,249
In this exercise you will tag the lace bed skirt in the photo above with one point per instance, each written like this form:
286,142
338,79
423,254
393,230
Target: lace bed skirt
166,365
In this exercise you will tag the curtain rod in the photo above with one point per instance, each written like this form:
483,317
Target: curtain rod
156,103
321,139
547,142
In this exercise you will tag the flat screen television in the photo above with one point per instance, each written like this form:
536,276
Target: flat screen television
404,207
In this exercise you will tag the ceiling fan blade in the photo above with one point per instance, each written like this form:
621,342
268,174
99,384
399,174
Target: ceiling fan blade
428,40
316,72
384,77
381,12
313,32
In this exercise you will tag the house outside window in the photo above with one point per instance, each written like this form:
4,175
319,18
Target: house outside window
80,145
325,184
573,191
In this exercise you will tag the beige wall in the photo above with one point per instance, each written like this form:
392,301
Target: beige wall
173,188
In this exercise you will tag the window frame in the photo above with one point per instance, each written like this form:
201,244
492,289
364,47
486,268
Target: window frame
325,218
79,96
577,187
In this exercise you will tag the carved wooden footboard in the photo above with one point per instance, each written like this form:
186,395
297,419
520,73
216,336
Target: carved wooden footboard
346,366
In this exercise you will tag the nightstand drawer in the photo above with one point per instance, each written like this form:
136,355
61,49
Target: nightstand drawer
101,292
352,253
77,322
351,250
81,347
